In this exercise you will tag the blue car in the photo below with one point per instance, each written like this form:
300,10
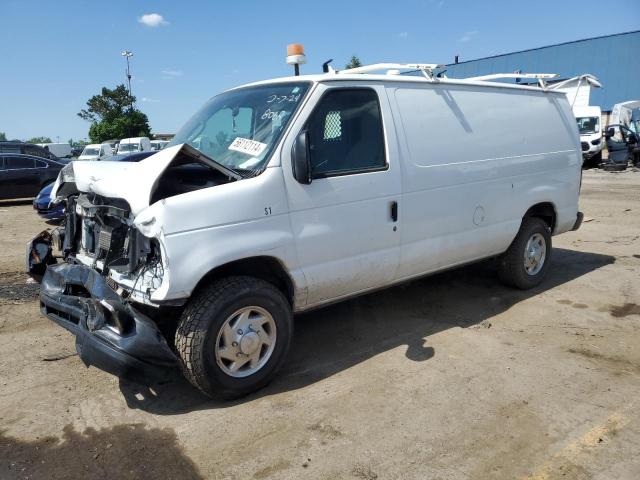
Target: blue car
42,206
42,203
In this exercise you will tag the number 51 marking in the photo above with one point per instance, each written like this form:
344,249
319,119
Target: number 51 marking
267,210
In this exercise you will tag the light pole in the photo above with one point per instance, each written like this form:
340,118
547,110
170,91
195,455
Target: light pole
127,54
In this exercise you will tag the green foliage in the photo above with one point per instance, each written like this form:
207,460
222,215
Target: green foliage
112,116
3,137
353,63
39,140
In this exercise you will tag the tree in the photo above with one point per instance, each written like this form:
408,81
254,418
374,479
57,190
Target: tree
353,63
3,137
39,140
112,115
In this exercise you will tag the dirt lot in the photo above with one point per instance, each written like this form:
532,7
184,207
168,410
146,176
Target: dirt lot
449,377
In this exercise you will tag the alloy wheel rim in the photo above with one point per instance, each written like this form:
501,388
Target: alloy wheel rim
245,342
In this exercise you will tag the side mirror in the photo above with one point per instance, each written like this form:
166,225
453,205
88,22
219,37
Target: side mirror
632,139
608,133
300,158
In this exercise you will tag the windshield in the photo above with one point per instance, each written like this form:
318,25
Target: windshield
588,125
90,151
239,129
128,147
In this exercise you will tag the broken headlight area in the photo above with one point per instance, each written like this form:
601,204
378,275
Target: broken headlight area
99,233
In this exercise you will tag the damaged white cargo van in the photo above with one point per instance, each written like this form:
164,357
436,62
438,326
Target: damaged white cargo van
289,194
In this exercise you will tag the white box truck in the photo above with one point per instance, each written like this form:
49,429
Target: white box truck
289,194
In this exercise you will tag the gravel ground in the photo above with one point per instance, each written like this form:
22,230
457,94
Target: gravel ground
449,377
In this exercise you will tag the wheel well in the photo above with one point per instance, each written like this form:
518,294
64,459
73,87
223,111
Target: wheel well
265,268
544,211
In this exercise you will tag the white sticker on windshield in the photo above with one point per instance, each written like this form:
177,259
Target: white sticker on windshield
245,145
249,163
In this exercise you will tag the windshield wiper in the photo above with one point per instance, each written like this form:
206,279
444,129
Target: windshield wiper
210,162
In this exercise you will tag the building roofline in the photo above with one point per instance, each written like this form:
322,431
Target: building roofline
541,48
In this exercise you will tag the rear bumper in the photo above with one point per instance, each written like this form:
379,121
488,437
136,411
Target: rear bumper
110,334
579,218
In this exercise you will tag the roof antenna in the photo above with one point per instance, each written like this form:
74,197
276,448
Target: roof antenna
326,68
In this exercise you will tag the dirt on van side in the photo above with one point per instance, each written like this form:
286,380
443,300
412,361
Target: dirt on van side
449,377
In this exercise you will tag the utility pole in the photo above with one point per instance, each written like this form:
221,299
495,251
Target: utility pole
127,54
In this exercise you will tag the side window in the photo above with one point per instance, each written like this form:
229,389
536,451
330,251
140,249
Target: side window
41,164
2,163
345,133
16,163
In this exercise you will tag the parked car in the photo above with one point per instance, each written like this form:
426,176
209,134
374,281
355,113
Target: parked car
27,149
77,150
60,150
55,211
137,144
308,191
96,151
43,206
23,176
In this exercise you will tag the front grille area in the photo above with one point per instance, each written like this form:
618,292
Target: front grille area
585,146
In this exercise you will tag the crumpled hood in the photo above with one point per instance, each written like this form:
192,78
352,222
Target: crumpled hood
132,182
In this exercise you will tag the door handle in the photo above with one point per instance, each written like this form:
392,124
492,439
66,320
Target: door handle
394,211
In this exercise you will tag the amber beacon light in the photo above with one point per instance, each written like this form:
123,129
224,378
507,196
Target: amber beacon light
295,56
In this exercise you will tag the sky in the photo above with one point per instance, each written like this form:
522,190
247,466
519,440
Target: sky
56,55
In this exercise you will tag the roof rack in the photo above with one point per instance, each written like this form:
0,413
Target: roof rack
541,77
394,68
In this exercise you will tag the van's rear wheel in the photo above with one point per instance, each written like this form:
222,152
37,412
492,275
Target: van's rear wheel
525,263
234,336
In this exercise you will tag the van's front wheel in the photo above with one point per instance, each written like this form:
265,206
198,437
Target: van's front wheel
525,263
234,336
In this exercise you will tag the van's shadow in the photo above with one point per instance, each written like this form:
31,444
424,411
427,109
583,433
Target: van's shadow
332,339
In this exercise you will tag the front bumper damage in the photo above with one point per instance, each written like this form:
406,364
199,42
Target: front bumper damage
110,334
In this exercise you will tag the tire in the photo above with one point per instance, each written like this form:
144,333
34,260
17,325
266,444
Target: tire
512,267
205,347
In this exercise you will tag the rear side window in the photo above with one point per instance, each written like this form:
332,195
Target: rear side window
345,133
15,163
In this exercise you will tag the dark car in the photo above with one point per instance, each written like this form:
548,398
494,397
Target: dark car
27,149
23,176
42,203
131,157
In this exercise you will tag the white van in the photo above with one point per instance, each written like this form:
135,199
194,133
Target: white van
590,129
301,192
60,150
134,145
96,151
158,145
